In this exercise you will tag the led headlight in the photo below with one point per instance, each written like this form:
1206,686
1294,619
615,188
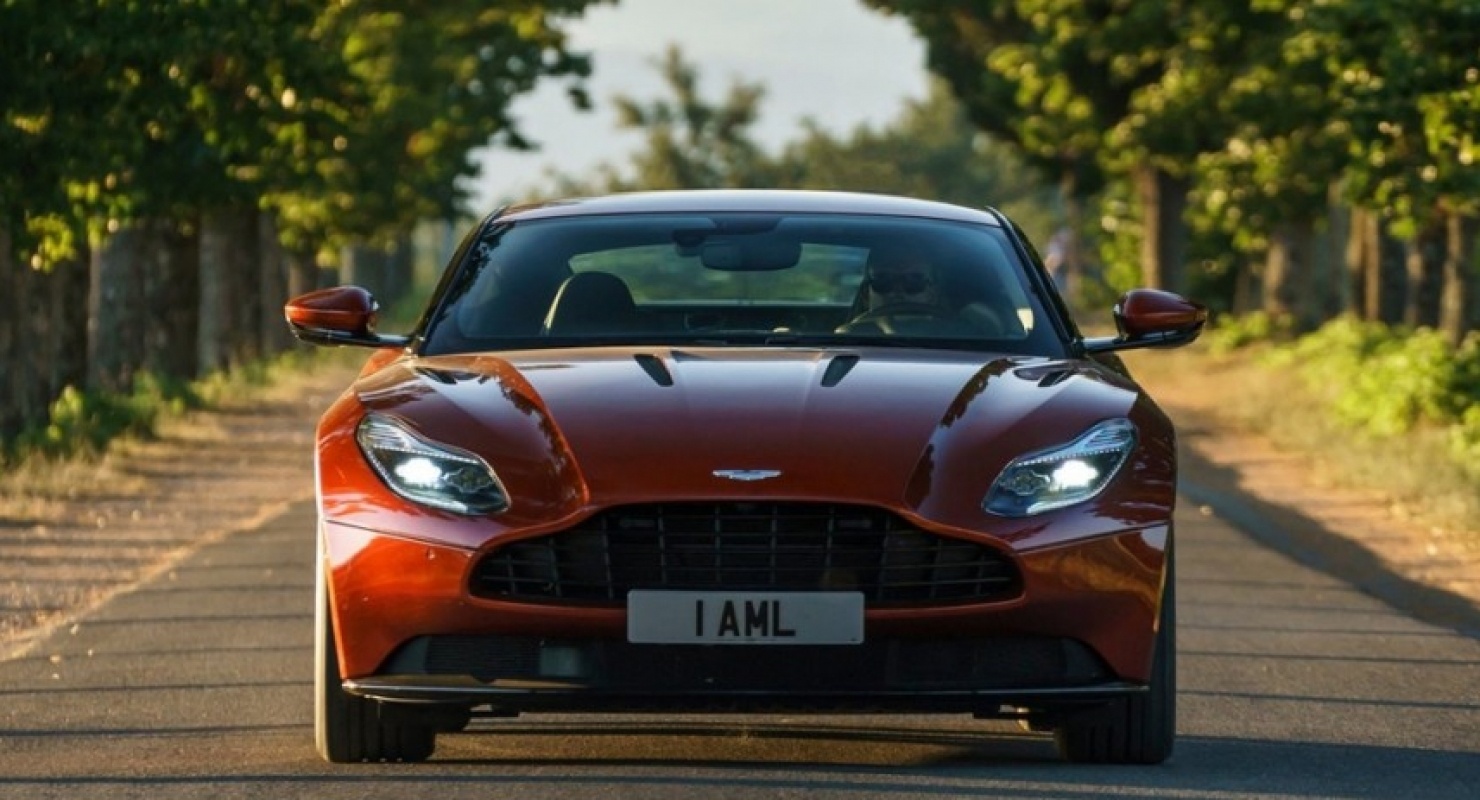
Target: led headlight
429,473
1062,476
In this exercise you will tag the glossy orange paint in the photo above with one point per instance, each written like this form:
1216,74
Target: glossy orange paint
572,431
344,308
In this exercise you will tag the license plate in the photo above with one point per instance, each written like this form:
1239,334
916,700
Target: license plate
658,617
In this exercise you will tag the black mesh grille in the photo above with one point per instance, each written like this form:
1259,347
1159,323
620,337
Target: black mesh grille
746,546
876,665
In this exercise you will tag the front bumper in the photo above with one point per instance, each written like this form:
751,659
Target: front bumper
1084,625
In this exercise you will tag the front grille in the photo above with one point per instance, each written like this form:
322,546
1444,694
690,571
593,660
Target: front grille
747,546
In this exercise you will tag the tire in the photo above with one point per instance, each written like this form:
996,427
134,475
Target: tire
1139,729
348,728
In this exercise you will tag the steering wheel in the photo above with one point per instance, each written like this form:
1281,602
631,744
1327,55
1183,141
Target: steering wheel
884,317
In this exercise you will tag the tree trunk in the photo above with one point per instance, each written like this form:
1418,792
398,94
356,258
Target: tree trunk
246,283
1288,290
174,294
12,376
1334,263
66,336
117,307
273,288
36,390
1422,264
1163,200
229,295
303,274
400,263
1454,317
1358,260
364,266
1382,273
1371,266
43,336
1247,288
1394,281
217,314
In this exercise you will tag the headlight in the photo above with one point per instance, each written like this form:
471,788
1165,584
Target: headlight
1062,476
428,473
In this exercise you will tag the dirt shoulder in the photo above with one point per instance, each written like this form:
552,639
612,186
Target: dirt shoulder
78,535
1296,501
72,536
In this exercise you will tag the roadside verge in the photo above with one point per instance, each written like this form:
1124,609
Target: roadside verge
78,534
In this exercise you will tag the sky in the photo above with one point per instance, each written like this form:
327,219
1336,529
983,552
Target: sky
835,61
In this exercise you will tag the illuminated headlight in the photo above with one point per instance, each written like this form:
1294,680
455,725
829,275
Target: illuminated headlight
428,473
1065,475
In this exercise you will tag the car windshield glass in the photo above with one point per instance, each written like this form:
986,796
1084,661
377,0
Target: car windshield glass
742,279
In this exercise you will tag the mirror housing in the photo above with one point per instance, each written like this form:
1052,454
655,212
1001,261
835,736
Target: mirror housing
1151,318
337,316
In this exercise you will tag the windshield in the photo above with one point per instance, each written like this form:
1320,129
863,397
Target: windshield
824,279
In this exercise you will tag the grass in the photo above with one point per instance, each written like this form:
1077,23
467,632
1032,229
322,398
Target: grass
38,483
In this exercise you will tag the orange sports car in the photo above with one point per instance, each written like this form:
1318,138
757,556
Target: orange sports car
744,451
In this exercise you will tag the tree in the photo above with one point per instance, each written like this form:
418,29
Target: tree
131,129
1083,87
1408,86
1266,187
1013,84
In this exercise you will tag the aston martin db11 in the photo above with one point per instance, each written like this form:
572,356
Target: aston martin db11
745,451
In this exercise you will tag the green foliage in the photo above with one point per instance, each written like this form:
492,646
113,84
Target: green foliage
1406,81
1229,333
348,119
1272,109
1385,381
1464,440
84,422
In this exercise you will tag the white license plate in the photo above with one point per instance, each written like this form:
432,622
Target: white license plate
658,617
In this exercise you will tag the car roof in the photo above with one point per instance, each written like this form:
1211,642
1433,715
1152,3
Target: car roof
770,201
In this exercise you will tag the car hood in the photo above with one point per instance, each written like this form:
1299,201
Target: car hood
572,428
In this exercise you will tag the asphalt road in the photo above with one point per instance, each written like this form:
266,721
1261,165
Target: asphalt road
197,684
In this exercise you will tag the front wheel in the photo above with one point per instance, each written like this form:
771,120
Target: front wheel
349,728
1139,729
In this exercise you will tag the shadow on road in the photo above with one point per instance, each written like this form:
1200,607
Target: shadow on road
1313,544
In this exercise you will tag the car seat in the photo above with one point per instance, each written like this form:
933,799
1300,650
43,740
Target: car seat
591,303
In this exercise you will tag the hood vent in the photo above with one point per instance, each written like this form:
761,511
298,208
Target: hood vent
655,368
1047,375
838,369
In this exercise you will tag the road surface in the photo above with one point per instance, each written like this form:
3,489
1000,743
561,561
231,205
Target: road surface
197,684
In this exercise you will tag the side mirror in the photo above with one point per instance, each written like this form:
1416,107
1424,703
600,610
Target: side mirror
341,315
1152,318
